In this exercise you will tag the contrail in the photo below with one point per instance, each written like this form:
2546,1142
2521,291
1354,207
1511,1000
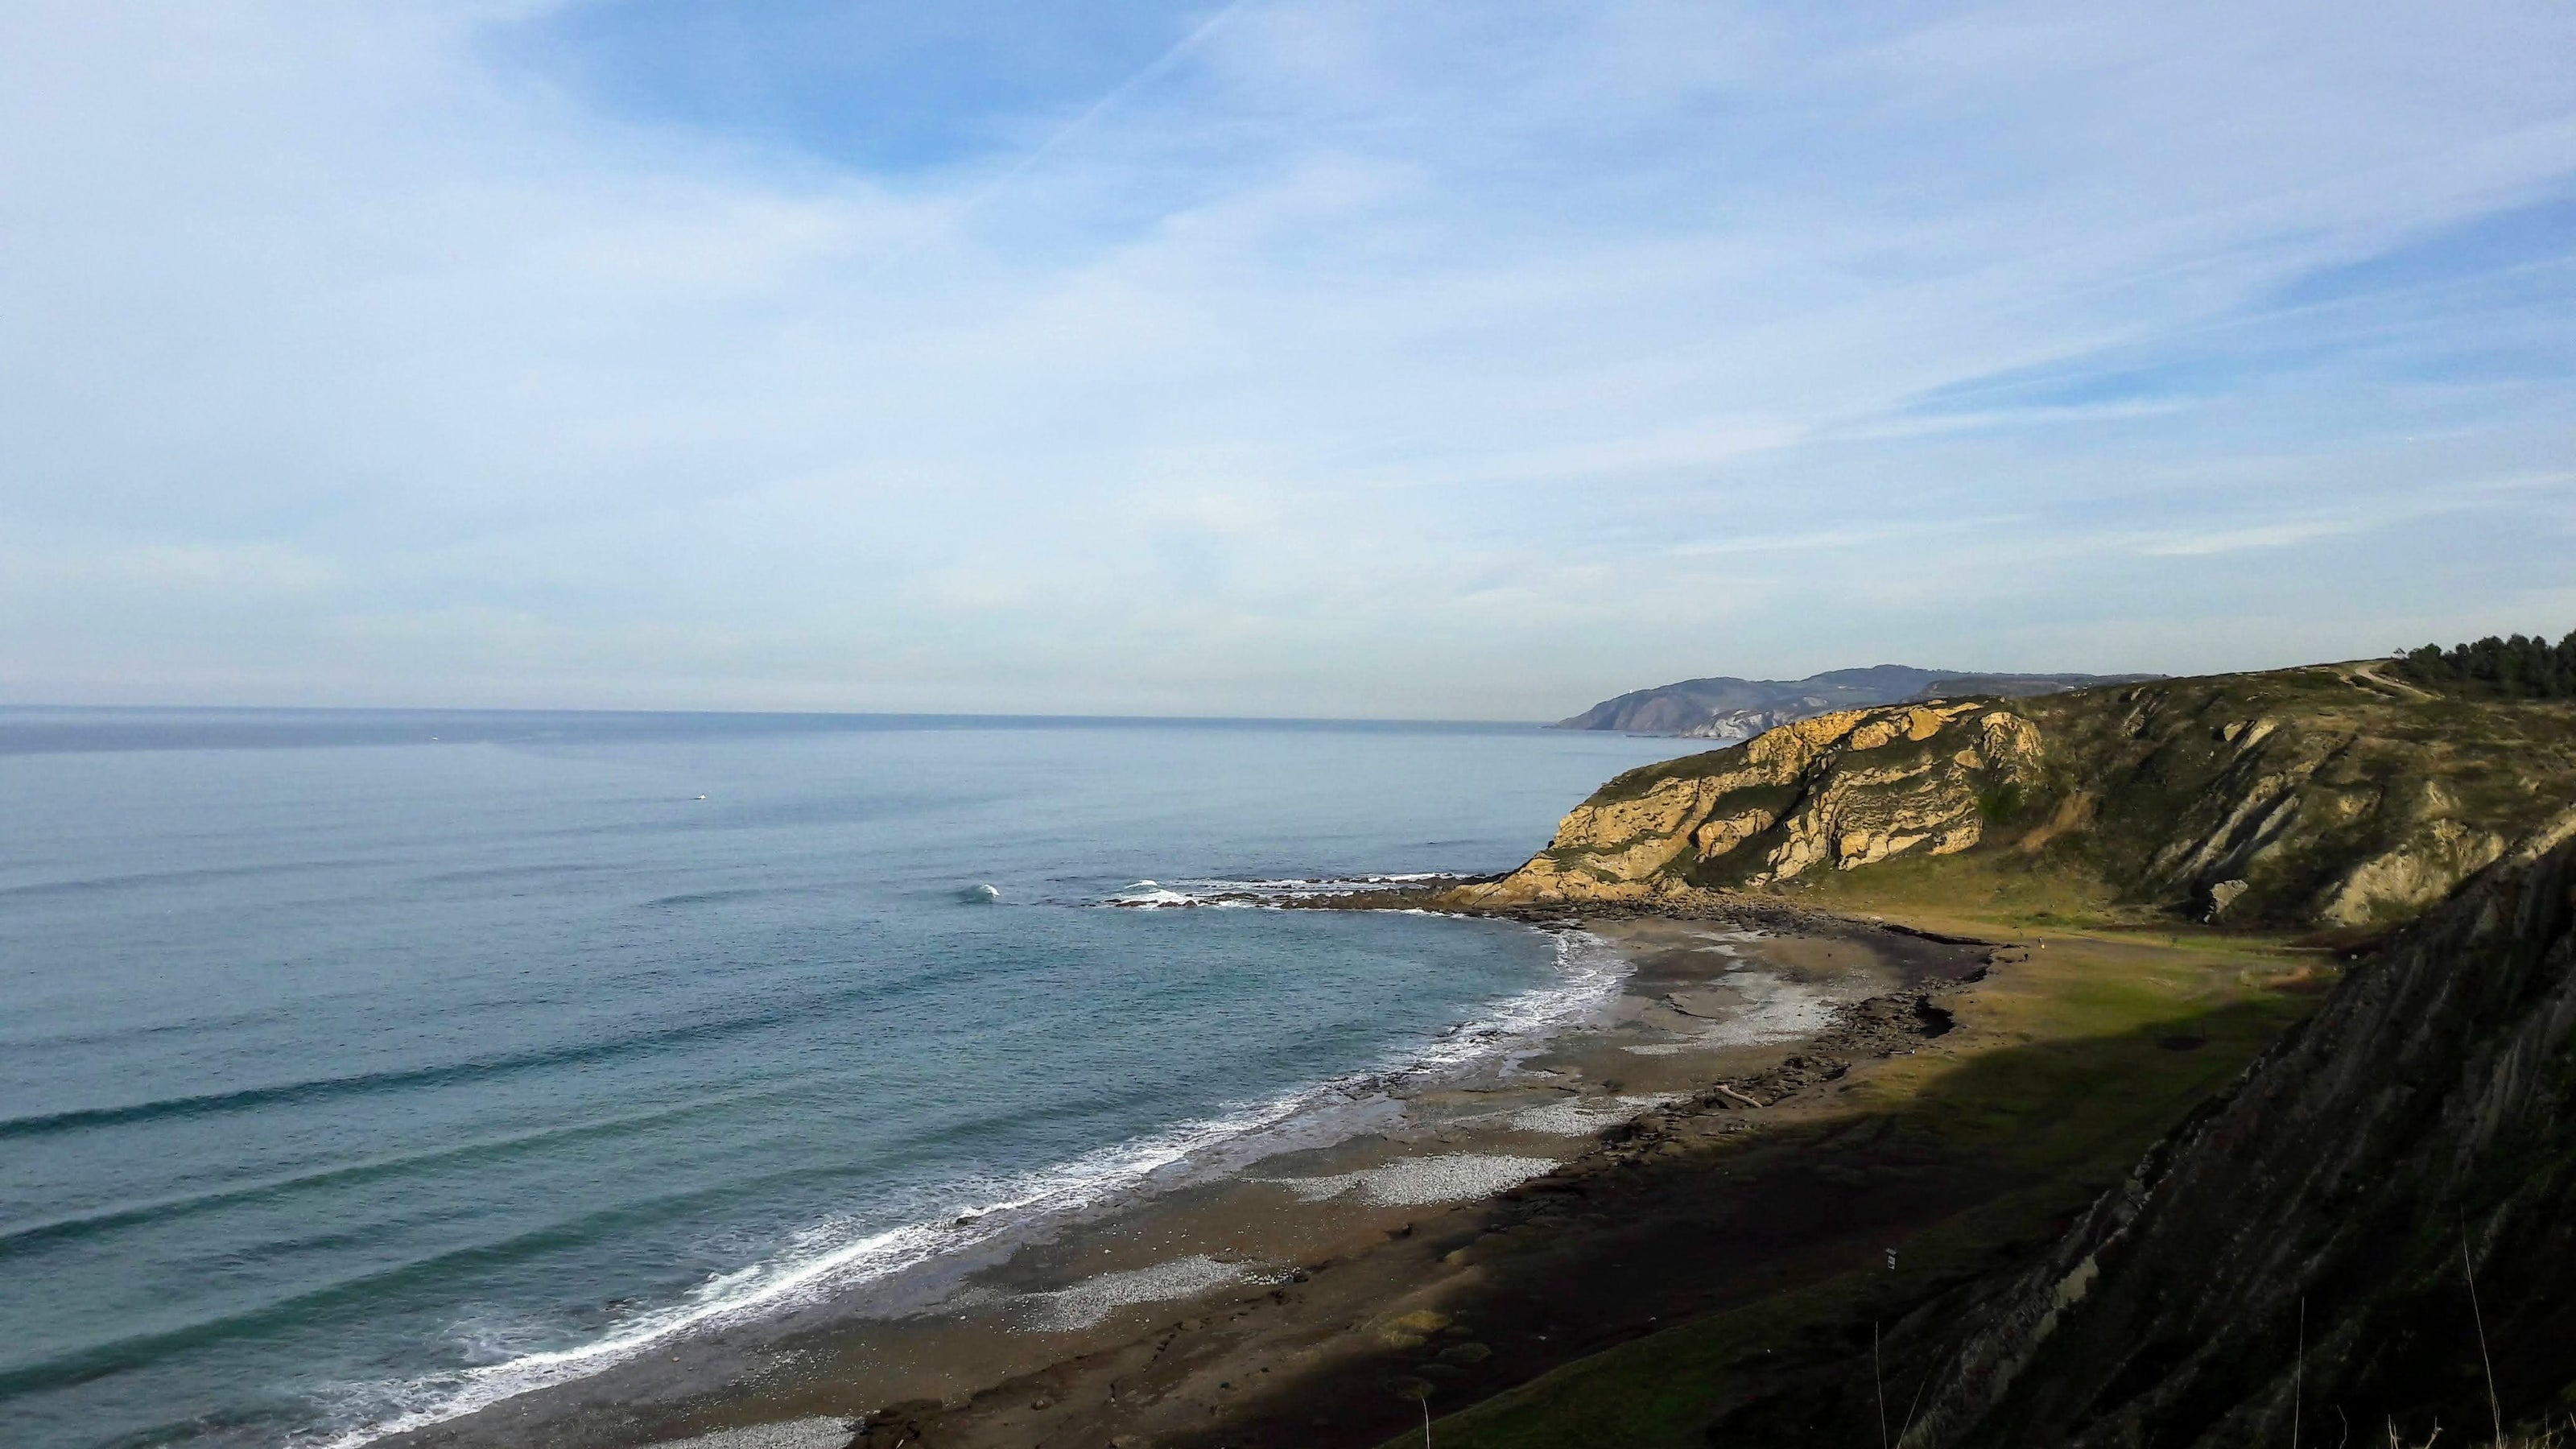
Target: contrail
1179,51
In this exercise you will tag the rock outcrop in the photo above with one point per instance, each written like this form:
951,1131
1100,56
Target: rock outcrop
1844,789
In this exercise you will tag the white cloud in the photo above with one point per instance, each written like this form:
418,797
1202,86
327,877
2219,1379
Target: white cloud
1446,361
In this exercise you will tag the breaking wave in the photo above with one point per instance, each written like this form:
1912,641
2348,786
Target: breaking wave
1249,894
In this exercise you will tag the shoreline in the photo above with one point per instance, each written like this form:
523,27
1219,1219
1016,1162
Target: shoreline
905,1268
1032,1340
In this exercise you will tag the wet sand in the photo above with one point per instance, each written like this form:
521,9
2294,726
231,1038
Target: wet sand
1470,1231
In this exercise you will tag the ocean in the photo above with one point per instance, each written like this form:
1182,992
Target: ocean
360,1067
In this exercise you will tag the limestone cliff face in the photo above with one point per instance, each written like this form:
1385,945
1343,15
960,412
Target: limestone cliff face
1841,790
2327,796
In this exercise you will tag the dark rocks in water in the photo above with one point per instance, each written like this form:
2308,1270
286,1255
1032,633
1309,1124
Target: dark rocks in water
2419,1128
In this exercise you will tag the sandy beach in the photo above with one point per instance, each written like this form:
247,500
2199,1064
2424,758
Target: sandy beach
1458,1232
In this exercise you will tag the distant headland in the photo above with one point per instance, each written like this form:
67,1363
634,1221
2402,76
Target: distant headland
1724,707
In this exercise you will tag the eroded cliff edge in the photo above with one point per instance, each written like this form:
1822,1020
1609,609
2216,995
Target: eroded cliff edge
2333,795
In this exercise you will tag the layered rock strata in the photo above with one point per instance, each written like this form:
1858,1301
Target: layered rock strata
1844,789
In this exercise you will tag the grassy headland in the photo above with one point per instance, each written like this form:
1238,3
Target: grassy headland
2184,867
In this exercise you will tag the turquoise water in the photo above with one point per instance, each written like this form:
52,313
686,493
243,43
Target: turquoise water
356,1067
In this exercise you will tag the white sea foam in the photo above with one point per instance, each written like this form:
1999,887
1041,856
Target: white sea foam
1589,971
794,1279
1093,1299
1420,1181
1151,895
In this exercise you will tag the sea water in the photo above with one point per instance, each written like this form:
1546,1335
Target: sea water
360,1067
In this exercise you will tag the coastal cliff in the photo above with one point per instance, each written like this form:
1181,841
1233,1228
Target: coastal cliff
2360,1236
2305,1252
1842,789
2328,796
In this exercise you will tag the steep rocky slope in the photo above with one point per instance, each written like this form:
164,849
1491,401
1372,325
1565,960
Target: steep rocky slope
2333,795
2303,1253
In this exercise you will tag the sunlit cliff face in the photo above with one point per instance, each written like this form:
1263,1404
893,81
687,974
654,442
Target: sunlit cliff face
2330,796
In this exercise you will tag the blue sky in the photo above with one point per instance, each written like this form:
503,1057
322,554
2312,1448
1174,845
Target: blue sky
1276,358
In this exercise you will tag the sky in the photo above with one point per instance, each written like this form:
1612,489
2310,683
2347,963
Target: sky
1289,357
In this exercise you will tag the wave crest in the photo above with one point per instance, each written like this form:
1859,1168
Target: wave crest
1240,894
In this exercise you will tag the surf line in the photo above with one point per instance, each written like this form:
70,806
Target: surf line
1590,971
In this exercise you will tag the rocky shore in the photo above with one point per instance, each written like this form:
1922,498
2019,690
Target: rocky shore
1482,1228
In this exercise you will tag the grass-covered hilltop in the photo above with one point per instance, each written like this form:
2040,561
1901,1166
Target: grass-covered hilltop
2343,795
2272,1075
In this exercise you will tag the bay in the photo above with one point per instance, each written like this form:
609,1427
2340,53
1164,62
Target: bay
345,1054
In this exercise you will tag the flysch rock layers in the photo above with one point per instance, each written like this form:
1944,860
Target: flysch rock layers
1844,789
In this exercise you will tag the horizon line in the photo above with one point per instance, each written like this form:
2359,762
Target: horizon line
980,716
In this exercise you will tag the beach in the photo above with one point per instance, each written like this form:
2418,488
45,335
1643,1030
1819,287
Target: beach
1442,1233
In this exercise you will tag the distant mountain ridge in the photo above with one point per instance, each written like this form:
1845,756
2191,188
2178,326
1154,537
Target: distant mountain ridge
1724,707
